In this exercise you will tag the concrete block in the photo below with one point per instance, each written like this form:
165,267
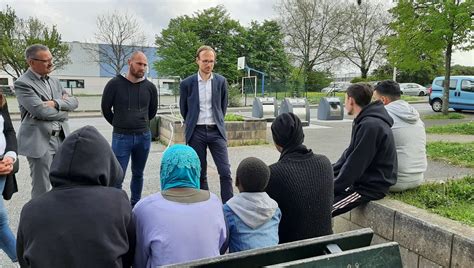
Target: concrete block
341,225
425,263
377,216
423,238
409,258
346,215
377,239
463,251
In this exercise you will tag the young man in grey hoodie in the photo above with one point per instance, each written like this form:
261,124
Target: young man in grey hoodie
409,134
252,216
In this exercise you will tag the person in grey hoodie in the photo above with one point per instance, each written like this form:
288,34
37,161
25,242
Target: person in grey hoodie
252,216
409,134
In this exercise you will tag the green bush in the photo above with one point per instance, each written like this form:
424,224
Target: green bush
234,96
233,117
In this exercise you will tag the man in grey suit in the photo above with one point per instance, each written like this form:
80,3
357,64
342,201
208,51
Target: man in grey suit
203,104
44,107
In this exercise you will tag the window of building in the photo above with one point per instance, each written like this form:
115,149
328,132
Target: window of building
72,83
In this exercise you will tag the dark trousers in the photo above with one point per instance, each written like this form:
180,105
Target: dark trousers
203,138
346,201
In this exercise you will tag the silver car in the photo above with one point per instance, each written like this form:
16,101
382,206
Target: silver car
413,89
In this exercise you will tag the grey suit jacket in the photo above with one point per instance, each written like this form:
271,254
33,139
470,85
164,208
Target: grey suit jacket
37,119
189,103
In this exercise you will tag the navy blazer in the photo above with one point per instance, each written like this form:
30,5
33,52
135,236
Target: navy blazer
189,103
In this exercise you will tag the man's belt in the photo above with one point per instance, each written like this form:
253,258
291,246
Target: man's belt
207,127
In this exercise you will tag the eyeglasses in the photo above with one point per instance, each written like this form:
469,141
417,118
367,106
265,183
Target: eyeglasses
208,61
45,61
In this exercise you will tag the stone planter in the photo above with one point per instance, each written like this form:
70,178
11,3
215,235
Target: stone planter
425,239
251,131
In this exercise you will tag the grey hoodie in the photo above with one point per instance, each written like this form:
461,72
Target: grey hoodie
254,209
410,140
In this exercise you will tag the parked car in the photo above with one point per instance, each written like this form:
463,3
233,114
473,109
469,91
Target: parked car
461,93
413,89
336,87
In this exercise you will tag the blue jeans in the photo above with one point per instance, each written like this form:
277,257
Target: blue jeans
136,146
7,239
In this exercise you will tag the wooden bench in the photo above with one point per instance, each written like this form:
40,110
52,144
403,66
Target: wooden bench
283,253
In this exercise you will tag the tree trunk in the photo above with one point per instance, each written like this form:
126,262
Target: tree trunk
363,72
447,77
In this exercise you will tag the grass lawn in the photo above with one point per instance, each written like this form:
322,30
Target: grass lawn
453,199
412,98
463,128
460,154
442,116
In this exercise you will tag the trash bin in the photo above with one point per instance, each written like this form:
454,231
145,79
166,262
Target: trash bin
298,106
330,108
155,128
265,107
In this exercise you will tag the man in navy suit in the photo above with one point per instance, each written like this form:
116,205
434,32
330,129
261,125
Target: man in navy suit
203,104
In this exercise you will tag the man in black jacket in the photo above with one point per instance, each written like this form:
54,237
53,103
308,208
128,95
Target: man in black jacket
129,103
368,167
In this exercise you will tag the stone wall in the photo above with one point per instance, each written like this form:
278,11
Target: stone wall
425,239
247,132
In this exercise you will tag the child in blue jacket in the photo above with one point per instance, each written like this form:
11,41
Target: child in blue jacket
252,216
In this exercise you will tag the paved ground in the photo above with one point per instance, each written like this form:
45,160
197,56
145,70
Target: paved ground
324,137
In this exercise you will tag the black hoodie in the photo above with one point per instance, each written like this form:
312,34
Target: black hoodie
128,106
81,222
369,164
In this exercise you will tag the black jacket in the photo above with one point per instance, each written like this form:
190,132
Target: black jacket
11,145
302,184
128,106
369,164
81,222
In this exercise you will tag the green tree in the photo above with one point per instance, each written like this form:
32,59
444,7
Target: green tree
265,50
16,34
462,70
178,43
427,31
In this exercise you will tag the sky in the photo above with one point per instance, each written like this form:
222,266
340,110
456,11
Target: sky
75,19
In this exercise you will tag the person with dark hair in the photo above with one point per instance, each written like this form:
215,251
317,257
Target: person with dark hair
83,221
203,105
129,103
252,216
44,107
301,182
368,167
409,134
8,148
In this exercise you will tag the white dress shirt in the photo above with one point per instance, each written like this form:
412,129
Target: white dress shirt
205,101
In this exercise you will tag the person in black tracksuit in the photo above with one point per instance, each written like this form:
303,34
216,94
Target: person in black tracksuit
368,167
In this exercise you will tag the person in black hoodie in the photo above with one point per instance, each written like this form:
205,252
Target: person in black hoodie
368,167
129,103
82,222
301,182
